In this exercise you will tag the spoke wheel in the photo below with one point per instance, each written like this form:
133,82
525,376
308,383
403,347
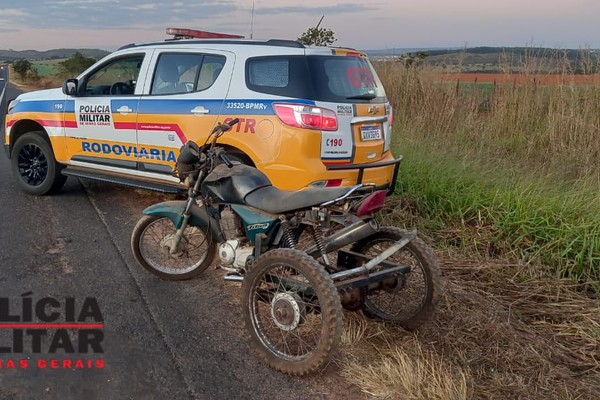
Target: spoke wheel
152,243
406,299
292,311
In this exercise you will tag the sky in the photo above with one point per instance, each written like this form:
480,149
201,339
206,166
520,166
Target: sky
365,25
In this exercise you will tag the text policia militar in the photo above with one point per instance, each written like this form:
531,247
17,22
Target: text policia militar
68,328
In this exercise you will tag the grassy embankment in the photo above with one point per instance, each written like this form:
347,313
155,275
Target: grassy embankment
512,172
504,181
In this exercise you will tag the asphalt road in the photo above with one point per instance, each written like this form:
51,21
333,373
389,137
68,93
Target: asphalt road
171,340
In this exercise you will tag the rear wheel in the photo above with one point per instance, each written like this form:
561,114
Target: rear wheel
151,243
406,299
34,165
292,311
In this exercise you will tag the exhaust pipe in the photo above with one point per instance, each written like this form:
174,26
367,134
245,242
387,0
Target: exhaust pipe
234,278
345,236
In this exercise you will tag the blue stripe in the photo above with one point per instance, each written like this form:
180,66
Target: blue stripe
171,106
118,103
227,107
177,106
49,106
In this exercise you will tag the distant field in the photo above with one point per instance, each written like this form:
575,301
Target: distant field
46,67
542,79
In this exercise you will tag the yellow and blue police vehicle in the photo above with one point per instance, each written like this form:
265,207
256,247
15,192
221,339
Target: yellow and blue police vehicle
309,116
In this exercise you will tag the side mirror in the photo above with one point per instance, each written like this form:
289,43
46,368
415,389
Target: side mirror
70,87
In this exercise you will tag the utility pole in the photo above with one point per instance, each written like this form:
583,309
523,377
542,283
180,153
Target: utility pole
252,22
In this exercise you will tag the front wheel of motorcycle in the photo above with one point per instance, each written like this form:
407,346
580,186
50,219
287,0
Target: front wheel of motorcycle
292,311
405,299
152,244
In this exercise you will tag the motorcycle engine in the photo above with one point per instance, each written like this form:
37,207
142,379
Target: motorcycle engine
233,253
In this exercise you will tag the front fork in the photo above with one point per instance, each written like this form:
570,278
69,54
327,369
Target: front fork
192,194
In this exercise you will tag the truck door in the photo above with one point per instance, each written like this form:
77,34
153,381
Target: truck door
106,115
182,101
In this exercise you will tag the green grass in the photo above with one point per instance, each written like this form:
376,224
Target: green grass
45,69
498,213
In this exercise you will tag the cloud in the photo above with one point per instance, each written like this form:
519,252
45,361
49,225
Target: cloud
104,14
341,8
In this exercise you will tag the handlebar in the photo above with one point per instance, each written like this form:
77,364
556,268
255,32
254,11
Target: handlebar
223,156
224,127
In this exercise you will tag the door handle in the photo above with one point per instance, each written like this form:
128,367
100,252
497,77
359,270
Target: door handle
124,110
199,110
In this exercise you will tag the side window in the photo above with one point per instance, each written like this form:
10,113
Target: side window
211,69
184,73
279,75
116,78
269,72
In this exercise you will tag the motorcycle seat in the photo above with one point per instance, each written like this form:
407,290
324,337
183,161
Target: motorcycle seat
277,201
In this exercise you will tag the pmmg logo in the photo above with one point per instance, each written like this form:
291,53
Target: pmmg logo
50,326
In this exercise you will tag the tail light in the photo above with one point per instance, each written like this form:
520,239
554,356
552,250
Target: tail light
391,117
306,116
334,183
372,203
327,183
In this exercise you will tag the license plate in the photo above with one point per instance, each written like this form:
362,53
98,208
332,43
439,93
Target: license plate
370,132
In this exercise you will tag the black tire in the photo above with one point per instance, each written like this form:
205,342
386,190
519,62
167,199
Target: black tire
422,284
282,282
149,249
34,166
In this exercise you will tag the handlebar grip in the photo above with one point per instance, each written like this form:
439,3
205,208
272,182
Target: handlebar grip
233,122
225,159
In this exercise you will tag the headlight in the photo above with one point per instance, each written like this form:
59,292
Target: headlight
12,104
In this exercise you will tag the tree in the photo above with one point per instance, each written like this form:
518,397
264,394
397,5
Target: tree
21,68
412,60
317,36
75,65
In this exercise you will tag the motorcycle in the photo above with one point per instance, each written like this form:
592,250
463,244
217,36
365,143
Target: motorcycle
301,257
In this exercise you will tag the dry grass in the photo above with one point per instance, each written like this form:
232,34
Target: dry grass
502,332
395,370
548,129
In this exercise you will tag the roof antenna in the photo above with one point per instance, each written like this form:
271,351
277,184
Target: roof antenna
252,22
321,20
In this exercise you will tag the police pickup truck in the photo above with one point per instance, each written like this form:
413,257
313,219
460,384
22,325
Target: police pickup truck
309,116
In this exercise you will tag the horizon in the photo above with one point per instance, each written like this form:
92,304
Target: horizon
377,24
391,49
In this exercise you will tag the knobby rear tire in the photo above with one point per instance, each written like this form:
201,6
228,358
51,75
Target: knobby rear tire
297,267
425,268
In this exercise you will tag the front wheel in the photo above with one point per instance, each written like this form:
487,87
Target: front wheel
292,311
406,299
34,165
152,244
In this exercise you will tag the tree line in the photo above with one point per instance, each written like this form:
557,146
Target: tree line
72,66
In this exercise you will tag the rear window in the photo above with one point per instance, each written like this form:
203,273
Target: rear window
321,78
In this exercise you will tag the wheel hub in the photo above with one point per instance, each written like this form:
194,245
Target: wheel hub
168,244
32,165
287,311
395,284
